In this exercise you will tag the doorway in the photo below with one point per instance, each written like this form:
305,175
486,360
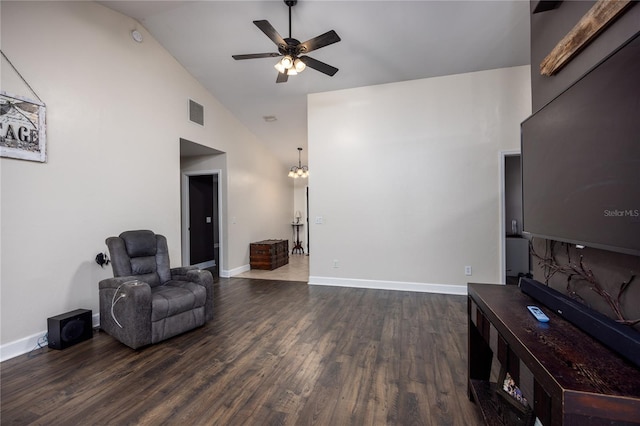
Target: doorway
201,220
515,245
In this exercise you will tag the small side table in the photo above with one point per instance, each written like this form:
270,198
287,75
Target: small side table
297,244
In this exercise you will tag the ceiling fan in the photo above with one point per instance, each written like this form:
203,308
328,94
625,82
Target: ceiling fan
293,52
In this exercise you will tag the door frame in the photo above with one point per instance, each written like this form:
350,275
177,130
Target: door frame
306,206
186,250
503,213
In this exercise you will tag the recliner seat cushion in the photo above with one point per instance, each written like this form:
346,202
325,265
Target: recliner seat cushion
176,297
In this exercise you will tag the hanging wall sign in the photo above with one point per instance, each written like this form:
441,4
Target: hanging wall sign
22,128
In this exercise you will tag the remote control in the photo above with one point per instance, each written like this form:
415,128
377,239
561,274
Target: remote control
536,312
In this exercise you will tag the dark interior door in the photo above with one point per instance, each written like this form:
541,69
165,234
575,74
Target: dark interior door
201,219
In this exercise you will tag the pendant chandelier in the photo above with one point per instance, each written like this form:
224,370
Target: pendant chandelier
299,171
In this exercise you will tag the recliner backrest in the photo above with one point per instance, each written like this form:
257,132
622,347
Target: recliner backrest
143,254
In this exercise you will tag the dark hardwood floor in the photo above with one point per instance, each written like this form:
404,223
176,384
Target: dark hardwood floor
277,352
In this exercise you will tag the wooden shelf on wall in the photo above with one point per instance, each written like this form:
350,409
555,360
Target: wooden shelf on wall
601,15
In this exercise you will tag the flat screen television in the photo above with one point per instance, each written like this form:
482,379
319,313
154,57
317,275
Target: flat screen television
581,159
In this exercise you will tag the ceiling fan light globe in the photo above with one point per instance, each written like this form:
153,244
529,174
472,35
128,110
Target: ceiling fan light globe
299,65
287,62
279,67
292,71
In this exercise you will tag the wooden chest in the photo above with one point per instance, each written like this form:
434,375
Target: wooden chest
269,254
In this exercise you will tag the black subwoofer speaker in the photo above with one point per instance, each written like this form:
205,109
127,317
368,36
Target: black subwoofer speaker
68,329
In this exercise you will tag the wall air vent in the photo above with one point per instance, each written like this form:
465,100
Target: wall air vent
196,112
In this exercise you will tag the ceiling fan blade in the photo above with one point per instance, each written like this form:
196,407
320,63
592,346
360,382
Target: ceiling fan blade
255,56
322,40
319,66
282,77
271,32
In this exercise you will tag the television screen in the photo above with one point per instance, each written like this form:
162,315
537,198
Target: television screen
581,159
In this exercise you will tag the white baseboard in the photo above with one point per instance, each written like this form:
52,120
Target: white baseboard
227,273
29,343
21,346
390,285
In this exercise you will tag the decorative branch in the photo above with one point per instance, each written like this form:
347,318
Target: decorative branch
603,13
580,272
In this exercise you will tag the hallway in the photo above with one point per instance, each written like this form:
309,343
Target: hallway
296,270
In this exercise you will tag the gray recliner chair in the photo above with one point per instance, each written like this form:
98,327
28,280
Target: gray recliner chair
146,301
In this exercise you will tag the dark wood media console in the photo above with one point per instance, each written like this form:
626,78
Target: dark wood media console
568,377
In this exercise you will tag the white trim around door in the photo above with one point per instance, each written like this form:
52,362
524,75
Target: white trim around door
502,229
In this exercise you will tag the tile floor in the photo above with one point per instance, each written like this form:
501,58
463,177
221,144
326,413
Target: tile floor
296,270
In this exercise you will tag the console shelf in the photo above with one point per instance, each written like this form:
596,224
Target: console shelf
568,377
482,392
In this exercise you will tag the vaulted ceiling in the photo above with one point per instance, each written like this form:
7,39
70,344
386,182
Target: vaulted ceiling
382,42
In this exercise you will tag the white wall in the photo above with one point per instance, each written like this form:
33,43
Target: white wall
406,179
116,111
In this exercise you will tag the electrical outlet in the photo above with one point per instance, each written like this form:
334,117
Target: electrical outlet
467,270
319,220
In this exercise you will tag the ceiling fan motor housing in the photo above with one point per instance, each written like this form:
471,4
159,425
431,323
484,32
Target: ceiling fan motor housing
290,48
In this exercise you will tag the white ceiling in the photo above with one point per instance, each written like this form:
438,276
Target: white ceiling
382,42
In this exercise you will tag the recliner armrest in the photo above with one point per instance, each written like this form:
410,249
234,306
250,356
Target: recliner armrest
126,301
115,282
193,274
182,270
198,276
